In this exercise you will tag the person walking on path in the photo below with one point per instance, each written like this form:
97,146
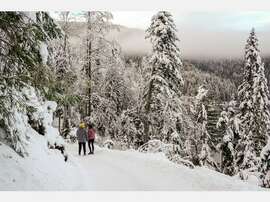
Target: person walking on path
82,138
91,138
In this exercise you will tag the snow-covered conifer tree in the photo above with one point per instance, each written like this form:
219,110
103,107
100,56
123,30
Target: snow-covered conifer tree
161,98
254,113
229,123
24,37
205,153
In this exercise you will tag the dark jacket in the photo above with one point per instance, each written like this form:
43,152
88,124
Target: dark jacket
81,135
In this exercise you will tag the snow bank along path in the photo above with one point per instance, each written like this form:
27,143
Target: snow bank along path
43,169
106,170
131,170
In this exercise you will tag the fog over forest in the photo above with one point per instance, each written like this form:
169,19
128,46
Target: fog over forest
195,43
203,35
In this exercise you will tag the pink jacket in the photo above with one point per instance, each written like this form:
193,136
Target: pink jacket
91,134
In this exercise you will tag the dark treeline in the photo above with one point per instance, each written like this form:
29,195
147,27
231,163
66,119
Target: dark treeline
230,69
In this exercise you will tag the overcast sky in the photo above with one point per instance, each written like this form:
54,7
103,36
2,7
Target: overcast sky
201,34
221,20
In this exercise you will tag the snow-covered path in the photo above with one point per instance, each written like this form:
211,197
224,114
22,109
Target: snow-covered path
131,170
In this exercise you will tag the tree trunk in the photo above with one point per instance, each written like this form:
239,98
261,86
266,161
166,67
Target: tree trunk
66,116
146,137
89,65
221,162
59,124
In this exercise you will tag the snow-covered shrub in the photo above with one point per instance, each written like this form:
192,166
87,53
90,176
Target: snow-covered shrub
206,158
109,144
172,151
176,154
152,146
182,161
264,167
226,148
18,129
229,124
205,154
43,113
246,159
72,137
189,131
247,174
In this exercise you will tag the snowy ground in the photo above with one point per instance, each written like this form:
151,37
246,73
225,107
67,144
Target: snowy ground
106,170
131,170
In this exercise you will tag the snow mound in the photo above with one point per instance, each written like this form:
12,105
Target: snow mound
44,114
34,157
108,144
72,137
154,146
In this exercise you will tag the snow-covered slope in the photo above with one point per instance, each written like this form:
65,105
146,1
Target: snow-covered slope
43,166
43,169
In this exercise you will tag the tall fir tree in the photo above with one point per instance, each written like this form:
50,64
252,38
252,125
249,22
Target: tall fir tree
161,96
254,113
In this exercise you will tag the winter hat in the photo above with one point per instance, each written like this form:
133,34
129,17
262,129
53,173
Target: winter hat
82,125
